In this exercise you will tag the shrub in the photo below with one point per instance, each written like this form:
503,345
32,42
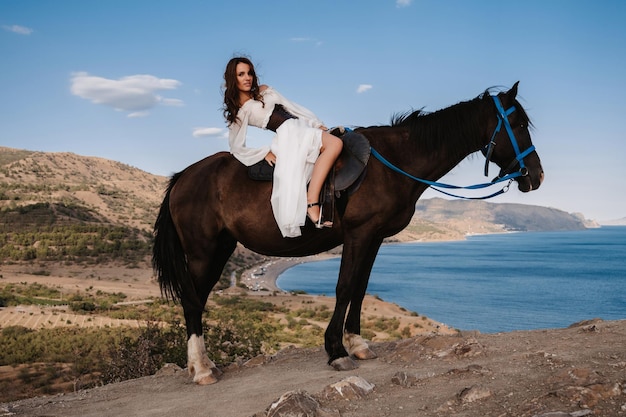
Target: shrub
134,357
82,306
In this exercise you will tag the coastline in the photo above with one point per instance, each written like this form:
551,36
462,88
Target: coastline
261,281
264,277
272,269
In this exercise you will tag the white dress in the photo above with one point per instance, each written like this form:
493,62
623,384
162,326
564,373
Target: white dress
297,145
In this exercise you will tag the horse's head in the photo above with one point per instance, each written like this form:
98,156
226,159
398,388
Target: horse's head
510,146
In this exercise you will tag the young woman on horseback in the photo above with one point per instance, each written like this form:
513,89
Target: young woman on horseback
302,151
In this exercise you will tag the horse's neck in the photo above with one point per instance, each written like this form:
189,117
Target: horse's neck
461,137
454,144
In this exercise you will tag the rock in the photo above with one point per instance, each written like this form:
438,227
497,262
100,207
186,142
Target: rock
351,388
474,369
168,369
584,387
256,361
464,349
298,404
7,410
405,379
580,413
474,393
590,396
585,323
590,328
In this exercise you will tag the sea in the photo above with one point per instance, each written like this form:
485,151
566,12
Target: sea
494,283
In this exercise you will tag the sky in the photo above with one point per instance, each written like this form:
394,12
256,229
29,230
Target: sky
140,81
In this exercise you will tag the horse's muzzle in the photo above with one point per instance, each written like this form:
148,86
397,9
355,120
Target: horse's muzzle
530,182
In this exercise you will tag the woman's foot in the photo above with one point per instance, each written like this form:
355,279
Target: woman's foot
315,215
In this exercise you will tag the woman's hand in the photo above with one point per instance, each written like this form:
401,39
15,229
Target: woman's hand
270,158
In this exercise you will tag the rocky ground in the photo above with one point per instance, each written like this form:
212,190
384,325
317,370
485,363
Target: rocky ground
578,371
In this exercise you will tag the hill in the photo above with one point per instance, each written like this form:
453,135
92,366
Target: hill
473,216
66,207
110,192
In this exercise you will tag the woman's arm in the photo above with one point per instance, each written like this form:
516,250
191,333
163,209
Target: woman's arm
237,141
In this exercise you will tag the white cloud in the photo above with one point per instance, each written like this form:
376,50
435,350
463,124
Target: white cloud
403,3
171,102
20,30
363,88
199,132
135,93
137,114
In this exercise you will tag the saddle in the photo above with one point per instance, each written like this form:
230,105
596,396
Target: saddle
349,169
346,175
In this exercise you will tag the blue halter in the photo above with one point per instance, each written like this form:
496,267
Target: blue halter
487,151
503,118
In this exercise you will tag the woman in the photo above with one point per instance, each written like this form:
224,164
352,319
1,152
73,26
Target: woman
301,150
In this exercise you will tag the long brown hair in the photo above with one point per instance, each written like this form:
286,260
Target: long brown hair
231,92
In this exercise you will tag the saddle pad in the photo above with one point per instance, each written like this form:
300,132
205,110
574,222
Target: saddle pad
261,171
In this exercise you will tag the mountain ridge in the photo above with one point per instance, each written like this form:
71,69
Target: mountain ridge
119,193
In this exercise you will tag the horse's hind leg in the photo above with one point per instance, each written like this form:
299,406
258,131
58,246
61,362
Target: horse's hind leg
205,271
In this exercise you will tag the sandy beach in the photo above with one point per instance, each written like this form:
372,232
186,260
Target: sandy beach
264,276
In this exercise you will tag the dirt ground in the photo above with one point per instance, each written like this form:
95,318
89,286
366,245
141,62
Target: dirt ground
576,371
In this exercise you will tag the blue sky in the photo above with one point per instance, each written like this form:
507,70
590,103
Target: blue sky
139,81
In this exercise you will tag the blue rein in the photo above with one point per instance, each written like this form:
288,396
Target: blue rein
519,159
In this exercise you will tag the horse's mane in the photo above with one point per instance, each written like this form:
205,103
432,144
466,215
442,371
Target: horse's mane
444,130
447,130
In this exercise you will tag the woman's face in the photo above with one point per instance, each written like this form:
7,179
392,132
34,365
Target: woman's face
244,77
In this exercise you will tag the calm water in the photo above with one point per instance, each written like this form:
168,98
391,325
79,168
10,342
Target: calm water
494,283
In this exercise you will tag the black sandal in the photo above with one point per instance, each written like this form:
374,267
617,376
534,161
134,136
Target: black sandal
317,223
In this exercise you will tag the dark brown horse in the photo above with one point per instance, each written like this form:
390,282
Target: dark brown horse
212,205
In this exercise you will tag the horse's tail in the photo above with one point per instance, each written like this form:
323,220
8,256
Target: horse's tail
168,257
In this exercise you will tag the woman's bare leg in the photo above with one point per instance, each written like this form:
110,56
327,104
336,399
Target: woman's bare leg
331,148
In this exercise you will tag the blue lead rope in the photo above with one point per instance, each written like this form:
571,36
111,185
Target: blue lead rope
434,184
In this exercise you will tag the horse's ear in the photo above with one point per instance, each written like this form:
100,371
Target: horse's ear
512,93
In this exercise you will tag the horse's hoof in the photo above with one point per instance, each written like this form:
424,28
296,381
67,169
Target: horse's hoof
207,379
365,354
344,364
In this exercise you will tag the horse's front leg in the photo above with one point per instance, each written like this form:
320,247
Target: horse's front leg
352,340
356,264
338,357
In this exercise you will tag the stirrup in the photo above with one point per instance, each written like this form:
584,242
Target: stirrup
317,223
